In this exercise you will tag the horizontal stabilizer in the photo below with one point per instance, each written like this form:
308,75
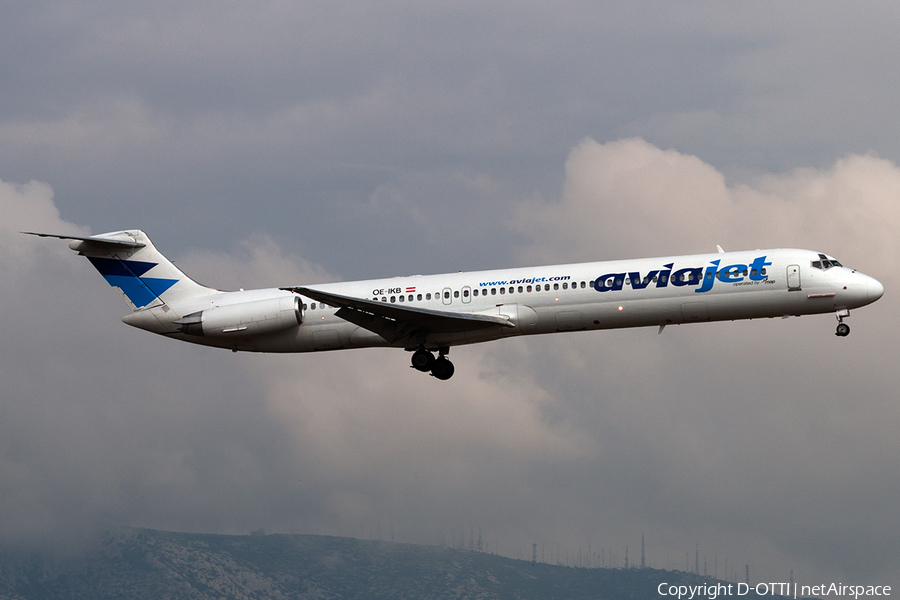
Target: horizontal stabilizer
96,239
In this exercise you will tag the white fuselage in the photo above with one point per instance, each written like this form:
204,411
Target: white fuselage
548,299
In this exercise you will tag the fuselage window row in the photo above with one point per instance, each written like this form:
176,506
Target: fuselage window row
465,292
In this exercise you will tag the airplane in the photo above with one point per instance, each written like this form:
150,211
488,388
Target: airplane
429,314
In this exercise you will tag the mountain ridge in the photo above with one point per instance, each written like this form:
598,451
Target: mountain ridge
145,563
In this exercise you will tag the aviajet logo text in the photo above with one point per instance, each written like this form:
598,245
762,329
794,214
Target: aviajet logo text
697,276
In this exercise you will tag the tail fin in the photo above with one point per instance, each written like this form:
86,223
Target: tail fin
130,262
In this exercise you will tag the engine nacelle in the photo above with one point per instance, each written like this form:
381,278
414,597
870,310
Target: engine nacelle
245,318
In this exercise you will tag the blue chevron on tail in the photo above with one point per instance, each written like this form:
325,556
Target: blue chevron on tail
127,276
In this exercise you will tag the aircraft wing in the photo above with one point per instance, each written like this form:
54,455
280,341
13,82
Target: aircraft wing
393,322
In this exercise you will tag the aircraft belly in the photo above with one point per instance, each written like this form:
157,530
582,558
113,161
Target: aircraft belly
642,312
485,335
326,339
754,305
694,312
632,313
312,337
568,320
363,338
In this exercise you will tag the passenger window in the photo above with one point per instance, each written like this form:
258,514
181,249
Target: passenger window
313,306
304,306
419,297
456,293
512,290
428,296
763,271
465,293
502,290
393,299
565,286
520,289
555,286
528,288
493,291
447,295
401,299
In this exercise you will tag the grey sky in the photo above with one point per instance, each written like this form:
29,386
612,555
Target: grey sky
285,143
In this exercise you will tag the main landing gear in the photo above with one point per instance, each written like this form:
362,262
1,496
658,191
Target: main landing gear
440,367
843,330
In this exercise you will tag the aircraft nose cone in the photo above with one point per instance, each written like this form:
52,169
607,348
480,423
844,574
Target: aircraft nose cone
874,289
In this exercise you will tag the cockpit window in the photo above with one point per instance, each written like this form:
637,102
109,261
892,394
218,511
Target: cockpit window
824,263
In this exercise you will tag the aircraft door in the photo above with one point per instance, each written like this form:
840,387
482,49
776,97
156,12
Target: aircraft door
793,277
447,295
466,294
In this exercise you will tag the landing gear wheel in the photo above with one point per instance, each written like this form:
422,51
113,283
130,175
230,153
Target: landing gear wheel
423,360
442,369
843,330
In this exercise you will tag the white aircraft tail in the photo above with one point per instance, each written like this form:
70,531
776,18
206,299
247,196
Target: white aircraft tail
131,264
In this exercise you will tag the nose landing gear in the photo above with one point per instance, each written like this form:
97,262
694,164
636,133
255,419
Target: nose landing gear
843,330
440,367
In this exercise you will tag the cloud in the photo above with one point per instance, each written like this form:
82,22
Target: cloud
611,206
